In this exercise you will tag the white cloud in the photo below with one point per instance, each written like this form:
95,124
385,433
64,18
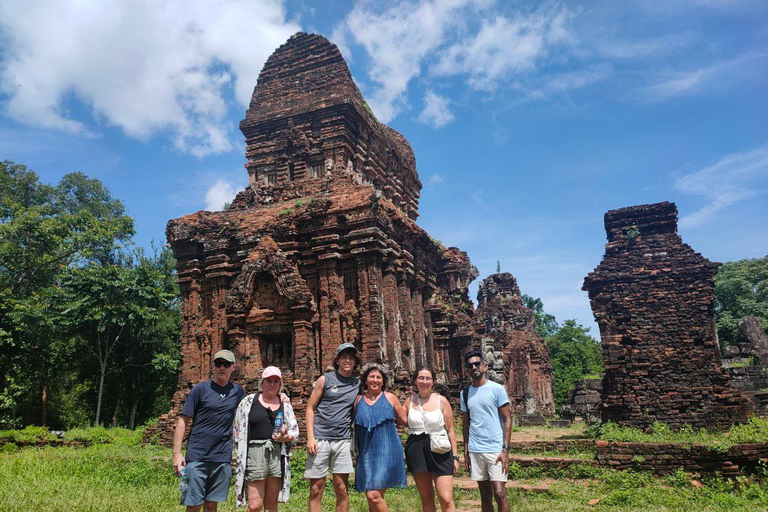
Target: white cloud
436,179
504,46
397,40
451,38
728,181
565,82
661,44
219,193
146,66
437,110
749,67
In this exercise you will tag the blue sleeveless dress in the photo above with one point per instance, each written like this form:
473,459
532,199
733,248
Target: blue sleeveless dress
380,463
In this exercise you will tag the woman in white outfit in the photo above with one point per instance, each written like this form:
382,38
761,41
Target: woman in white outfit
430,414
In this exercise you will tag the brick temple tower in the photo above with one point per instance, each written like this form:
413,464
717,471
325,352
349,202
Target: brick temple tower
321,247
653,299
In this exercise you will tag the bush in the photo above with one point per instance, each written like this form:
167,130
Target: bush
754,431
8,448
101,435
27,435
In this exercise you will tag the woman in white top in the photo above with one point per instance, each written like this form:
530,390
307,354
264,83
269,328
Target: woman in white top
430,413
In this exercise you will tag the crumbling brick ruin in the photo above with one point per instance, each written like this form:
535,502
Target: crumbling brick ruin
517,356
653,299
321,248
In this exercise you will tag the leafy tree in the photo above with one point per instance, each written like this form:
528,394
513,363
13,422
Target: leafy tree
44,230
741,289
546,324
574,354
108,306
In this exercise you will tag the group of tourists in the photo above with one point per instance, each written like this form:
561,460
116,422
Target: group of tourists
346,418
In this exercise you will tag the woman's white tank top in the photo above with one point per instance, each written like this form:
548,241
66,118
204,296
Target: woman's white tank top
434,419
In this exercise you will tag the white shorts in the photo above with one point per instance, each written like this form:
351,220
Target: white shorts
483,466
333,456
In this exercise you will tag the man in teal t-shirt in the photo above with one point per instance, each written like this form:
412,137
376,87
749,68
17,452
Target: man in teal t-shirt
487,423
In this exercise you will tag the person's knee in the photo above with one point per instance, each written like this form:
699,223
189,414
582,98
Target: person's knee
340,487
499,492
426,493
316,488
445,496
255,505
374,496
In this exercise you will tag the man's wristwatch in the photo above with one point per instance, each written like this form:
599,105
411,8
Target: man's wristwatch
506,447
455,457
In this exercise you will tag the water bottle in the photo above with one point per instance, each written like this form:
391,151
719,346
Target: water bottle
278,424
183,483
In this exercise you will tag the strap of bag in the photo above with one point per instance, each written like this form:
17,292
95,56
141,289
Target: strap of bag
423,417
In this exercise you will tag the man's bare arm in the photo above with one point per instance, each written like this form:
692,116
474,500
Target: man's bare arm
178,440
465,435
506,417
314,399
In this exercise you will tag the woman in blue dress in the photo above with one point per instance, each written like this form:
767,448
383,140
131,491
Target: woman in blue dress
380,462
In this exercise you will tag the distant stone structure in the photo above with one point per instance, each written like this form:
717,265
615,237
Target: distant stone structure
321,248
583,401
653,299
517,356
747,364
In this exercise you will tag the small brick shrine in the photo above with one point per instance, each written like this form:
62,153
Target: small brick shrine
653,299
517,356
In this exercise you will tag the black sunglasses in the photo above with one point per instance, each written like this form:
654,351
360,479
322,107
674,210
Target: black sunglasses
476,363
219,363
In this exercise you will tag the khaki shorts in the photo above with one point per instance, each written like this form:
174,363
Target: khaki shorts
263,460
333,456
483,467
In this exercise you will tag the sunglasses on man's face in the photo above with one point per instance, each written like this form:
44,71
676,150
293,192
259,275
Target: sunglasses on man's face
474,364
219,363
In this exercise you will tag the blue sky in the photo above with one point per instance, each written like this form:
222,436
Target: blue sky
529,120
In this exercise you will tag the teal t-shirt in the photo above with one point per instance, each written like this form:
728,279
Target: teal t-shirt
486,434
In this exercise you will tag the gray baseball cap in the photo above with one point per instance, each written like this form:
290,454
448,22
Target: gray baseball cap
345,346
224,355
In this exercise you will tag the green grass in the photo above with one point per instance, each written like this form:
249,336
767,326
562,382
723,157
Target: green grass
754,431
139,478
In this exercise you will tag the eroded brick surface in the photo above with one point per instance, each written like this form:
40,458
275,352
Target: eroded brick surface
653,299
517,356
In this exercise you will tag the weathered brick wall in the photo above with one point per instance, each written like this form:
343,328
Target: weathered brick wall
667,458
517,356
653,299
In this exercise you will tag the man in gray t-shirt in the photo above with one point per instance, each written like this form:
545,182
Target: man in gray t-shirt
329,420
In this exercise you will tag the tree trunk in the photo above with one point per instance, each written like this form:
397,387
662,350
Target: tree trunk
754,332
103,368
44,405
135,404
118,403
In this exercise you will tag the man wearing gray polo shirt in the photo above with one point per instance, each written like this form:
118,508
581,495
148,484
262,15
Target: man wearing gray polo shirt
329,420
487,423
